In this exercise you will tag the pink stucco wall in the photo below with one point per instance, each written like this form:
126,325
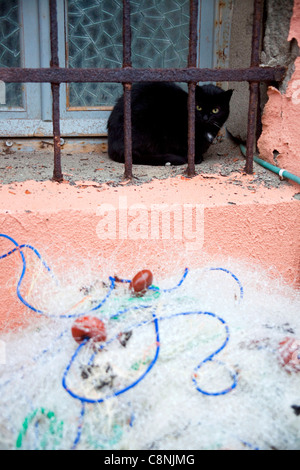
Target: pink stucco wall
281,117
238,220
241,220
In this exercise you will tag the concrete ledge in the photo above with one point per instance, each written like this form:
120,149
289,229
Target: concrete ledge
224,217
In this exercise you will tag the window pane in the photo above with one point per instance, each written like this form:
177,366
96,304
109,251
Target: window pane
160,30
10,50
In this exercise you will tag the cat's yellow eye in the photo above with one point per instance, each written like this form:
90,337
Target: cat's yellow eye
215,110
198,108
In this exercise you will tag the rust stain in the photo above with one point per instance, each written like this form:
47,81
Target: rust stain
221,54
130,75
104,147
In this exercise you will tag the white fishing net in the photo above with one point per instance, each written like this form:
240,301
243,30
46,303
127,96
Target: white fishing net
193,364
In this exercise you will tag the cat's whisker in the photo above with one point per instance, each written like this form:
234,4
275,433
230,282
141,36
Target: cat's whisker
216,125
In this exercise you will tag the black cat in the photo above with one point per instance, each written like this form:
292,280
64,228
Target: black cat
160,123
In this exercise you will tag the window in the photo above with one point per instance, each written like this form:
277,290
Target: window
90,36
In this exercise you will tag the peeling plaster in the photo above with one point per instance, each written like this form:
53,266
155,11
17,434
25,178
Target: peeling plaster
278,47
281,115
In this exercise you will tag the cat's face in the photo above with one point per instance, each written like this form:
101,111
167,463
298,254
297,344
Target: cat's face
212,109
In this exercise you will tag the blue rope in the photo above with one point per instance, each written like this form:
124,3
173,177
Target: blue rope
111,287
136,382
172,288
31,307
234,277
79,427
248,444
123,390
210,358
155,320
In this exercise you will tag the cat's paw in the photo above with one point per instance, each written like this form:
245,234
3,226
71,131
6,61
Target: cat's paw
174,160
198,159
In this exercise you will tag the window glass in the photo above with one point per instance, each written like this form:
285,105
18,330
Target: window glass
10,50
160,30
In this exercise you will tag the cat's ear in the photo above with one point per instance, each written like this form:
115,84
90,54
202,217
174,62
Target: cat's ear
228,94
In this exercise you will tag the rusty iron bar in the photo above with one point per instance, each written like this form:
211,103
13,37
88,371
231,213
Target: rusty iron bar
54,61
127,91
127,131
127,75
57,171
252,126
130,75
191,129
193,34
192,62
55,88
126,35
256,32
254,87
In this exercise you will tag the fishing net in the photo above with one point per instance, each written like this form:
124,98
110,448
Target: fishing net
194,363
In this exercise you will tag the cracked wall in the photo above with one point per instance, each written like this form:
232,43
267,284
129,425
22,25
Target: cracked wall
279,47
279,142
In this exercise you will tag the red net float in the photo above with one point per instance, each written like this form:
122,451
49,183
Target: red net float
289,354
141,282
88,328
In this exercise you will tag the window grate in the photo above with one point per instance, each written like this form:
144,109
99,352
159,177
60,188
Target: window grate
127,75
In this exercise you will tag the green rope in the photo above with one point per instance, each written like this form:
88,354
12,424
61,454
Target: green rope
55,428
